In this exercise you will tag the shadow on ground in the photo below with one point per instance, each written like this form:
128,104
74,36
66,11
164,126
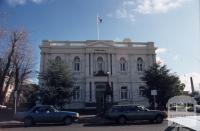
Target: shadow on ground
117,124
20,125
36,125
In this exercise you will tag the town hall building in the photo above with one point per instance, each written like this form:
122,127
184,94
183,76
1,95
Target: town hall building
95,63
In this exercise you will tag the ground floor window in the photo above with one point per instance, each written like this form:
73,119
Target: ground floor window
142,91
124,93
76,95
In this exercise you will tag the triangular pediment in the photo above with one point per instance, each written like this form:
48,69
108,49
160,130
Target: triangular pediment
100,44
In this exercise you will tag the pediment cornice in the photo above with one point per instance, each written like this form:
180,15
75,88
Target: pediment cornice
100,44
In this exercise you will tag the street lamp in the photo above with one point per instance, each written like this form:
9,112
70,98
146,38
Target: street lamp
108,73
154,94
110,90
15,103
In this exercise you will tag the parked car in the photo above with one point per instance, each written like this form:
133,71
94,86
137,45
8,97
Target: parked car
124,113
173,108
46,114
191,109
189,123
2,107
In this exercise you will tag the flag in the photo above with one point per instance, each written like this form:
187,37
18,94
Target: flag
99,19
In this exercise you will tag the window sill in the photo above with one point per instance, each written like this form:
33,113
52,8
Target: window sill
123,72
77,73
76,101
140,72
124,99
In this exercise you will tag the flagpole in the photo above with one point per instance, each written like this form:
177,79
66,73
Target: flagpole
97,27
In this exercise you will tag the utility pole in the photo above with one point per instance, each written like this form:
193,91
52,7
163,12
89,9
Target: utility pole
99,21
192,85
154,94
15,106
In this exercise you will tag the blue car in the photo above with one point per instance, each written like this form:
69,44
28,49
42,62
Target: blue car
46,114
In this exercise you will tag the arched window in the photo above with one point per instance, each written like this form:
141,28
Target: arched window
124,93
142,91
140,64
58,59
100,64
122,64
76,63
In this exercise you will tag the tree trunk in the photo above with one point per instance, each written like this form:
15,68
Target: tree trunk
6,89
5,71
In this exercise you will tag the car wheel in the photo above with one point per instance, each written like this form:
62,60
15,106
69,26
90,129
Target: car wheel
28,121
159,119
122,120
151,121
67,120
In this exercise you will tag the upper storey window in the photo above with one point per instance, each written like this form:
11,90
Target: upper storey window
58,59
76,63
122,64
140,64
100,64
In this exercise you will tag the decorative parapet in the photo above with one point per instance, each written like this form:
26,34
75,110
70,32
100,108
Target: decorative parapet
100,73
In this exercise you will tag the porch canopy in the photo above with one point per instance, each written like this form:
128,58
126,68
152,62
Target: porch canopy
181,99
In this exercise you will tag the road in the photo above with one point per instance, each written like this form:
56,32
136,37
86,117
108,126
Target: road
90,127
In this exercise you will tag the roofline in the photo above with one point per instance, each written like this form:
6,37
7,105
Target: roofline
86,41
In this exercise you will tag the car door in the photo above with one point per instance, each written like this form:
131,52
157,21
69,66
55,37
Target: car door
131,113
144,114
51,115
39,114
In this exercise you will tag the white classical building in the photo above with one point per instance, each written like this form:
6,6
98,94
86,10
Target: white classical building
94,63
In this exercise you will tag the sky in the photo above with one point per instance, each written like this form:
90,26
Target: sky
174,26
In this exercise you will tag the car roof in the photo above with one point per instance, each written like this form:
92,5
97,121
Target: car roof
44,106
125,105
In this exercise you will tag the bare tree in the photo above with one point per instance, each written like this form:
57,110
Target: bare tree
22,65
16,62
6,63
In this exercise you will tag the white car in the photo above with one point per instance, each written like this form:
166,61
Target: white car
2,107
190,123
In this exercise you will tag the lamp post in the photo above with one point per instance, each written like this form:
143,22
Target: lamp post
108,73
154,94
15,102
109,87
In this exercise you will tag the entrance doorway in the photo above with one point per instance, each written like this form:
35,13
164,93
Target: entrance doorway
100,96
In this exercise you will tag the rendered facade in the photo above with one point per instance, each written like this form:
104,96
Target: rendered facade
95,63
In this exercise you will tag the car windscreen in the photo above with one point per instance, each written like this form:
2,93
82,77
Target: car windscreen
54,109
117,109
141,108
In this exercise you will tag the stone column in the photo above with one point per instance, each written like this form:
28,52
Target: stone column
87,64
108,63
114,63
92,63
41,62
87,91
116,93
111,64
93,92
